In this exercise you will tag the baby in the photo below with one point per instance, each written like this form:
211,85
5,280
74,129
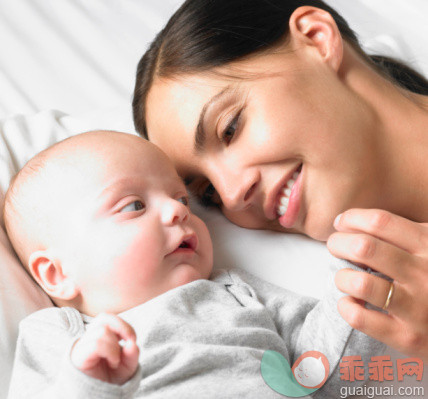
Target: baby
101,222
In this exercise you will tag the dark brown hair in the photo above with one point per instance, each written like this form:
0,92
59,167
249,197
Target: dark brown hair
203,34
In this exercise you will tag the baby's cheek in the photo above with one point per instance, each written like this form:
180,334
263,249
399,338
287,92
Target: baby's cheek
139,258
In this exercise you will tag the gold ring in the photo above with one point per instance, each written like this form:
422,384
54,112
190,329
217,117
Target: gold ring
388,298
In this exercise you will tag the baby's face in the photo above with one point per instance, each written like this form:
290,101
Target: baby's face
130,235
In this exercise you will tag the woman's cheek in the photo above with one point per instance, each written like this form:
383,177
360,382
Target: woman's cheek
245,219
322,203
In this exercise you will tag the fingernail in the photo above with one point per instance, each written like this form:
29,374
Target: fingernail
336,221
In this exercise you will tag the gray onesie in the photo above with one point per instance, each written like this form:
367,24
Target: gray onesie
205,339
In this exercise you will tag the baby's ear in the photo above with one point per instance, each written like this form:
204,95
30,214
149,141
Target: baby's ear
47,271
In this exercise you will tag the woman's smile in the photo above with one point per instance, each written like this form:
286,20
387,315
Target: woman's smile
290,198
278,200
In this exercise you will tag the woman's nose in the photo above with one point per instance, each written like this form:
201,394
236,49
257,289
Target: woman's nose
237,190
173,211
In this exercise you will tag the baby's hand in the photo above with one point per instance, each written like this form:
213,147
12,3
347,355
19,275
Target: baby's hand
99,354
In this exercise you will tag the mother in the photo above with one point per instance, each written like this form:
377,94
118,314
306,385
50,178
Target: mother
272,111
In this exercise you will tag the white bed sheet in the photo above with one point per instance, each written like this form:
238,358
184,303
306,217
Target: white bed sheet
80,57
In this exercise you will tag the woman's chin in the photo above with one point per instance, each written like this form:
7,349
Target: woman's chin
320,233
318,228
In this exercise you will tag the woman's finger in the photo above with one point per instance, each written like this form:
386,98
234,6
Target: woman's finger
401,232
374,290
365,249
385,328
371,322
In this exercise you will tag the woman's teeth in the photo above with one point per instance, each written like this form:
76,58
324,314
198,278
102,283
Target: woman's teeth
284,196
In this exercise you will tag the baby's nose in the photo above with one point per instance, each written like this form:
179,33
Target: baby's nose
174,212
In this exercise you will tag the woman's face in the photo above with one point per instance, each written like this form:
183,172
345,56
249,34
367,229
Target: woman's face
290,121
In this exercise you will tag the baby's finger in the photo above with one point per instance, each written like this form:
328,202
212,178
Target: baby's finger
115,324
110,349
368,250
100,343
130,354
401,232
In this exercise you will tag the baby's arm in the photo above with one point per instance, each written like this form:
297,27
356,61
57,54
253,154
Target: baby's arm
47,352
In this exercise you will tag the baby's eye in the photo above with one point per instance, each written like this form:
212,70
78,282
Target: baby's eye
184,200
133,206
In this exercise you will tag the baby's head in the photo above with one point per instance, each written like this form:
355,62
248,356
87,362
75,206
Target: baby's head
101,221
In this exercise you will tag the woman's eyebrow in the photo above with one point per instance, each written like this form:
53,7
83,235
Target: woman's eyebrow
200,134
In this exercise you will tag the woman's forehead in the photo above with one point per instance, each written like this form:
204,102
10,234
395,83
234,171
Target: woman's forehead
176,103
173,110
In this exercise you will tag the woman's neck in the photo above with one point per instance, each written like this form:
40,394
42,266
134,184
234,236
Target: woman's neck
409,143
402,132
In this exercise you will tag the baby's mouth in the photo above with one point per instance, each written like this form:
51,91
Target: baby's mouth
187,244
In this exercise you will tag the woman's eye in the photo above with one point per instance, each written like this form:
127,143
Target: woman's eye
230,130
133,206
210,197
184,200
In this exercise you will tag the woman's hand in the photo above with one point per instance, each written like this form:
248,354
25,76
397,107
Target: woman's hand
99,353
398,248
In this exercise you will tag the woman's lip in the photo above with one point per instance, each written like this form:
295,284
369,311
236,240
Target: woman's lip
272,201
290,216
